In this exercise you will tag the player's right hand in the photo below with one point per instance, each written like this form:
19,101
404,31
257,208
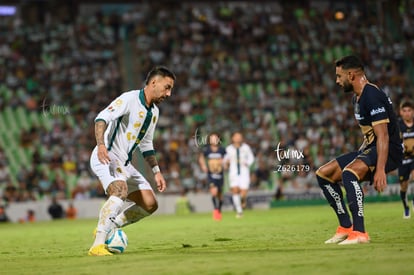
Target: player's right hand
103,155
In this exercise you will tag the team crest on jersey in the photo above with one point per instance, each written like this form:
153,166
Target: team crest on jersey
130,136
137,124
118,102
111,109
119,170
141,114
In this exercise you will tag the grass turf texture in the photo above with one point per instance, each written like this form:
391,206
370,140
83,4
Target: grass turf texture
287,240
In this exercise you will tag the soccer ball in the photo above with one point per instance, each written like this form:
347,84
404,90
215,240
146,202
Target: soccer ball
117,241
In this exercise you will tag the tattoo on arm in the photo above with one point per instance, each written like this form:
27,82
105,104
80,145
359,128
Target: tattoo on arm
100,127
151,160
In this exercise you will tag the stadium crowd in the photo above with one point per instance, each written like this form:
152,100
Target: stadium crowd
265,69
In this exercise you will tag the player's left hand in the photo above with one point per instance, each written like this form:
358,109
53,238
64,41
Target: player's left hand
380,181
160,181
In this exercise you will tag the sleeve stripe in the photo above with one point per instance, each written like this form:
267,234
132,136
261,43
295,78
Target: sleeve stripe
148,153
100,119
380,121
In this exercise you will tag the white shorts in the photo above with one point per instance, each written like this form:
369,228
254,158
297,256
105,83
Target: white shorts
115,170
241,181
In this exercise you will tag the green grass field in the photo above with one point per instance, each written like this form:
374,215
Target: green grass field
287,240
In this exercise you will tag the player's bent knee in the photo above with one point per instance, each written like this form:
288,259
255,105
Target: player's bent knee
118,188
324,174
151,207
359,170
404,186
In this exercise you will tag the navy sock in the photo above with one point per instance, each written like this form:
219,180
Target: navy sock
334,196
355,197
216,202
403,196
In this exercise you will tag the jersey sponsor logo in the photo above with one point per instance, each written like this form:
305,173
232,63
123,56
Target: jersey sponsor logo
408,135
377,111
215,155
337,198
137,124
359,198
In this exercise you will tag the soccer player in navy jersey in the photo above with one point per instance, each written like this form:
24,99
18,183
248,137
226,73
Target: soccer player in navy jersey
407,130
211,162
380,153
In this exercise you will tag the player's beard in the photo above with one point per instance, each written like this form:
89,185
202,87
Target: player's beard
159,100
348,88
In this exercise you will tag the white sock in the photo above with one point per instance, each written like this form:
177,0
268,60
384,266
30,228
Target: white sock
109,210
131,214
237,203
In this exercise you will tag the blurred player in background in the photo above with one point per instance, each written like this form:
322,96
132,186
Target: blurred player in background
380,153
211,162
407,167
239,158
126,124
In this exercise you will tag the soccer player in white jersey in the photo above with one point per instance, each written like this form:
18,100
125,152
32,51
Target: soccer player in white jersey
239,158
126,124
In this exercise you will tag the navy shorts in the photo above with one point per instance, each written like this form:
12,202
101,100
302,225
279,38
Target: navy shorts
405,169
216,182
369,157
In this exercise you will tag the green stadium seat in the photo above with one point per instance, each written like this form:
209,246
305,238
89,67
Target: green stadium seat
23,159
70,119
22,118
2,119
46,121
34,118
8,118
5,136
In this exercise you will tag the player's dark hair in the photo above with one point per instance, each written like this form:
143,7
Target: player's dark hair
159,70
349,62
213,134
406,103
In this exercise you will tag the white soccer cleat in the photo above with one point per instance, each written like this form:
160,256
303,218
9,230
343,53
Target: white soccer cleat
407,213
340,235
356,237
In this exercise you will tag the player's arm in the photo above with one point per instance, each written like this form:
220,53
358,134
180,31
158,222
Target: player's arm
380,177
226,159
116,109
146,146
202,162
100,127
159,178
250,159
